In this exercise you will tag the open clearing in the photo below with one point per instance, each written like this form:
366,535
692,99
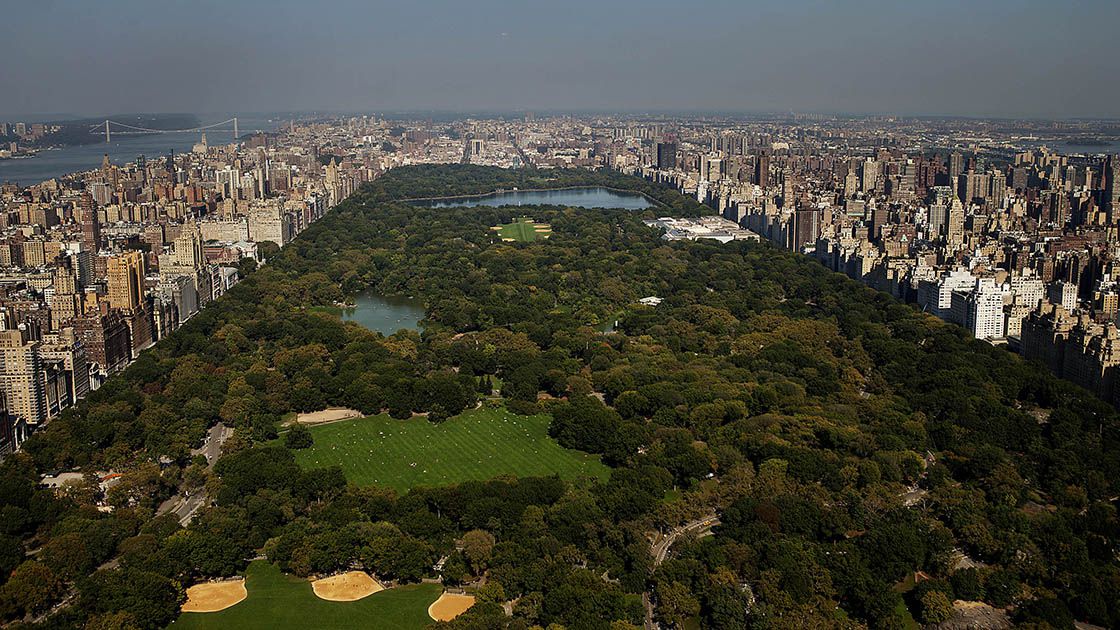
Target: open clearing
450,606
279,601
214,596
523,229
347,587
477,445
330,414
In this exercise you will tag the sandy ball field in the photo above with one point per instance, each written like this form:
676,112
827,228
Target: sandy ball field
330,414
450,606
214,596
346,587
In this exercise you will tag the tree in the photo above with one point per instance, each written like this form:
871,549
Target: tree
455,569
298,437
120,620
936,607
491,593
675,603
32,588
68,555
11,554
477,547
152,600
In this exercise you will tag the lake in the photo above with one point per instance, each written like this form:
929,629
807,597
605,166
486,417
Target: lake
589,197
385,314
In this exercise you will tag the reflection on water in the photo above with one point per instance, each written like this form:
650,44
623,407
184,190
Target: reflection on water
590,197
385,314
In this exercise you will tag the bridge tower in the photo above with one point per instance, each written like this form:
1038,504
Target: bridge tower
235,130
107,137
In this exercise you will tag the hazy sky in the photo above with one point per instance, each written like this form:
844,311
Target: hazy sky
976,57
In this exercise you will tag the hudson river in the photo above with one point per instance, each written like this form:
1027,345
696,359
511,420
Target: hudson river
123,148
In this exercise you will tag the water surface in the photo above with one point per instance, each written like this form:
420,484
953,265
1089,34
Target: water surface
589,197
385,314
48,164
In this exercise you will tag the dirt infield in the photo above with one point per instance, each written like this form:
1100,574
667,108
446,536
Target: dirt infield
968,615
214,596
330,414
450,606
346,587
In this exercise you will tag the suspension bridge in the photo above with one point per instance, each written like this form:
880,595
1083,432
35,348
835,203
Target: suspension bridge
112,127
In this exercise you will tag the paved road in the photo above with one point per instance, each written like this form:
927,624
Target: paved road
185,505
660,548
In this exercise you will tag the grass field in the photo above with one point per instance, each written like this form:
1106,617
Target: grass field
282,601
479,444
524,230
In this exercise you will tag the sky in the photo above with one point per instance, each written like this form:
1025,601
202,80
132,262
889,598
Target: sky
1008,58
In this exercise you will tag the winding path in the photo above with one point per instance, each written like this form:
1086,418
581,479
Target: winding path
659,549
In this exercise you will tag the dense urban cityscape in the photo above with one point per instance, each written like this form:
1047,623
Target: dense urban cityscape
977,222
623,315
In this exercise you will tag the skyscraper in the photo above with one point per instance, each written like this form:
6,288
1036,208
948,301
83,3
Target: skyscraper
762,169
956,165
126,280
711,168
955,227
806,228
869,175
91,228
1112,186
170,166
21,376
938,219
666,155
188,247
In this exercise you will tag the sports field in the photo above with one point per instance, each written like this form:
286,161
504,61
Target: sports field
479,444
524,229
282,601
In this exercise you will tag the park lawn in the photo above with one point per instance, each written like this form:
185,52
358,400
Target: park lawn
479,444
523,230
282,601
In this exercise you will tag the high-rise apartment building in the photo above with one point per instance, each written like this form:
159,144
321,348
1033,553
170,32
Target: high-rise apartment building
126,280
666,155
956,165
21,376
762,169
938,219
188,248
869,175
1112,186
91,227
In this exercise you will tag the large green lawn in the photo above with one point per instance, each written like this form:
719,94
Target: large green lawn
479,444
524,229
282,601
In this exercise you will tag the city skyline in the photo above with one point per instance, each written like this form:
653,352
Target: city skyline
525,316
995,59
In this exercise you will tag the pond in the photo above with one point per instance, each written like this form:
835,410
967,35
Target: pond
589,197
385,314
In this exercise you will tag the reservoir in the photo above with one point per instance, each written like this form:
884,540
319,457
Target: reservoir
385,314
589,197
